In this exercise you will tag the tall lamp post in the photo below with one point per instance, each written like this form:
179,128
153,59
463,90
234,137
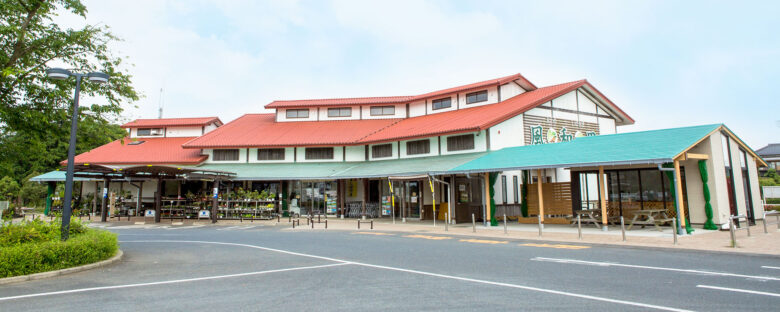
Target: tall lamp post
62,74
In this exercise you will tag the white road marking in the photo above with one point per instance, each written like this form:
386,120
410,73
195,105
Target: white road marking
557,292
170,282
770,267
740,290
607,264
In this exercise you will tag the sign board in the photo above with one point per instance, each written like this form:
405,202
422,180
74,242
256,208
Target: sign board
149,213
216,192
204,214
105,192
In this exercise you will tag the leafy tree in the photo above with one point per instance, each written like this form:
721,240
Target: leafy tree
9,189
32,193
35,111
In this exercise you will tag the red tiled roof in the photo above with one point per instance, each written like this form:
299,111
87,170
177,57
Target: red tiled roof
398,99
172,122
151,151
261,130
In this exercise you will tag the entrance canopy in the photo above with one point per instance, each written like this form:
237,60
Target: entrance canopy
633,148
98,172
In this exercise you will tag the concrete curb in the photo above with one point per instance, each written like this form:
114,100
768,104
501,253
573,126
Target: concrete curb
30,277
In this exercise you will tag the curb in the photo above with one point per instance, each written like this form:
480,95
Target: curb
30,277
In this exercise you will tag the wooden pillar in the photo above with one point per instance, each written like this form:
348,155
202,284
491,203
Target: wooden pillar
94,198
104,194
603,198
678,191
158,201
214,202
365,194
340,199
540,193
140,206
451,205
487,197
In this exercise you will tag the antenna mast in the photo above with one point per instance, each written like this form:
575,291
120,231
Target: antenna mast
160,105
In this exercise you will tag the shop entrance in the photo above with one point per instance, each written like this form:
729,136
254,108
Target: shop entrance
412,200
468,199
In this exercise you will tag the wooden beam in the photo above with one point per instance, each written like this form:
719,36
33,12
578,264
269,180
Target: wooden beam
696,156
487,196
603,198
678,191
540,193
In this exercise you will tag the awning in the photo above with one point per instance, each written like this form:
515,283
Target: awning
345,170
59,176
633,148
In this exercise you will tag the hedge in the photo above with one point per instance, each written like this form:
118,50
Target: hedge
34,252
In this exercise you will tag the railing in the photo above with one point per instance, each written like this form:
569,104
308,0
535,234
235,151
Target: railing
733,230
776,214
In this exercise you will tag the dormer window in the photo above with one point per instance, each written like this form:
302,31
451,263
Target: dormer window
149,131
340,112
476,97
382,110
297,113
442,103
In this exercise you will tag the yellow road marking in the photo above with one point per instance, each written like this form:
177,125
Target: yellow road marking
428,237
559,246
372,233
482,241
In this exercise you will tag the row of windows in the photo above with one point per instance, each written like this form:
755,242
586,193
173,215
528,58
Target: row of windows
342,112
149,131
474,97
418,147
516,190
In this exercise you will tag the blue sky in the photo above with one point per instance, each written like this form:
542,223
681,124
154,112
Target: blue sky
666,63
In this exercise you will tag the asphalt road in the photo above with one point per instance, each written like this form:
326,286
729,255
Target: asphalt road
252,267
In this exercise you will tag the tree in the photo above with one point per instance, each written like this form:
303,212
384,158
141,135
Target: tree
35,111
8,188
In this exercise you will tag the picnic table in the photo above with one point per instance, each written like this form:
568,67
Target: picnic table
588,216
653,217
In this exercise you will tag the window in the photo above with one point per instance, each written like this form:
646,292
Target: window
340,112
418,147
460,142
225,155
136,143
382,150
743,161
149,131
270,154
476,97
297,113
517,189
503,189
382,110
319,153
442,103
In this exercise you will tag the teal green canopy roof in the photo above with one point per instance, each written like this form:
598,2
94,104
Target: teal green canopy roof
345,170
59,176
644,147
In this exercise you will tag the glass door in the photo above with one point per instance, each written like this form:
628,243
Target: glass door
413,199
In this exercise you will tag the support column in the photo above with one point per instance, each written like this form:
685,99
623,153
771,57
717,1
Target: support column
679,198
603,198
158,201
487,198
540,193
451,206
365,194
49,193
140,205
340,199
215,201
94,198
104,195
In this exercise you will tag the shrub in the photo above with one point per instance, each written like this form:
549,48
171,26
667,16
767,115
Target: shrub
34,247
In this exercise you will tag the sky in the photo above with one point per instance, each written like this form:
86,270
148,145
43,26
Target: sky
666,63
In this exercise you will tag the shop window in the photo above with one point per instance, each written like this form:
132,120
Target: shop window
340,112
319,153
652,189
270,154
743,161
460,143
297,113
225,155
382,110
630,197
418,147
503,189
149,131
476,97
442,103
382,150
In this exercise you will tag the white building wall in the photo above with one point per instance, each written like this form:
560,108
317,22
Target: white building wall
355,153
539,112
492,97
208,128
400,112
507,133
510,90
606,126
417,109
354,113
183,131
755,191
585,103
480,144
566,101
434,148
289,156
736,171
281,115
719,198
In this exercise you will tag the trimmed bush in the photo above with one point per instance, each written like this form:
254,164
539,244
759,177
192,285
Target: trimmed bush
34,247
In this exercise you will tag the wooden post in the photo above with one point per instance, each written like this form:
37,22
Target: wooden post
487,197
158,201
214,203
365,194
140,206
603,198
539,182
451,206
678,191
103,210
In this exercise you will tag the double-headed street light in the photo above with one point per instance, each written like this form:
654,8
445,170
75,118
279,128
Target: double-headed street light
62,74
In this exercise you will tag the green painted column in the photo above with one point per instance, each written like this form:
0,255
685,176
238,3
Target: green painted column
524,195
49,193
493,178
709,224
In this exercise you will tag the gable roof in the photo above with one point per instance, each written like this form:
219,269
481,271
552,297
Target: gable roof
172,122
151,151
527,85
769,150
261,130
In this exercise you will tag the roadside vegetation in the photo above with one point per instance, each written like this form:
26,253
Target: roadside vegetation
35,246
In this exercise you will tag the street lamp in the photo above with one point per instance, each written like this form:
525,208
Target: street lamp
62,74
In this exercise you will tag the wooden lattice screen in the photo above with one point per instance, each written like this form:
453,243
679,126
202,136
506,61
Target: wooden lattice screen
557,199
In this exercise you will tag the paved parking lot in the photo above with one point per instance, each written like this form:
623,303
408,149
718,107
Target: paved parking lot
262,267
